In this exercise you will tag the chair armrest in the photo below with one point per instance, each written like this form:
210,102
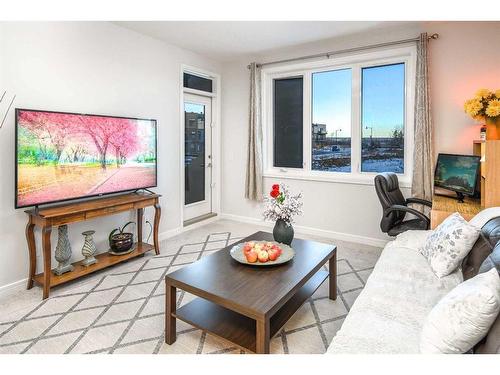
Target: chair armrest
419,201
409,210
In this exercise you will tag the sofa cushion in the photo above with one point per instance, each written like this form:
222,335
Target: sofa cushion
479,252
449,244
492,260
463,317
491,343
490,235
388,315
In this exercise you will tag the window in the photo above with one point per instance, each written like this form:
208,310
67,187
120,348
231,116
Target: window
383,97
288,122
345,119
195,82
331,121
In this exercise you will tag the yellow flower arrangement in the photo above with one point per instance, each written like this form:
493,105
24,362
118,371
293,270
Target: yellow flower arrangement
484,106
483,93
493,109
472,107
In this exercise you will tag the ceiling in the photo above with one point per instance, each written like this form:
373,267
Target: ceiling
229,40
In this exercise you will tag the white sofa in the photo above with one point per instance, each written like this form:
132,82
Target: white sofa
388,315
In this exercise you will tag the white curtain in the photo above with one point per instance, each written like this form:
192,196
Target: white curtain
253,183
423,156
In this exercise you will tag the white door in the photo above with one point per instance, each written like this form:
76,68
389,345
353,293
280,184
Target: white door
197,156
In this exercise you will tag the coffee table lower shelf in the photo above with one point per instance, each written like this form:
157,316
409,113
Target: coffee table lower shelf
239,329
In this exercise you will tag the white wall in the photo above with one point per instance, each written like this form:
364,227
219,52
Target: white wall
89,67
464,58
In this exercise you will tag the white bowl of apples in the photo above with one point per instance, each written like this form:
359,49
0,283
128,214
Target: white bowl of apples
262,253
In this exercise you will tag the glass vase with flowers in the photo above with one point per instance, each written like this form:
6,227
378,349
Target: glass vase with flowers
485,107
282,206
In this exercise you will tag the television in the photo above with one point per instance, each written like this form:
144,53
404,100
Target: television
62,156
457,173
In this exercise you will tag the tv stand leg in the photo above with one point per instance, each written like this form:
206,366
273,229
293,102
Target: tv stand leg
460,197
30,238
156,228
140,215
46,231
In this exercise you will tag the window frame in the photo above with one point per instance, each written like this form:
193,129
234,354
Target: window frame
355,62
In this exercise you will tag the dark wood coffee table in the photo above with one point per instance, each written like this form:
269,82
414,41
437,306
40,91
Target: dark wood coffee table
248,305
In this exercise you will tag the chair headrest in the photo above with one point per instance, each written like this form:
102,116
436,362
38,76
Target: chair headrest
387,180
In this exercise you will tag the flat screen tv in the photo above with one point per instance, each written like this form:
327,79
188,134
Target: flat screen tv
62,156
457,173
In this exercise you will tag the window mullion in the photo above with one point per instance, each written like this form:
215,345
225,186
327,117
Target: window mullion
356,120
307,107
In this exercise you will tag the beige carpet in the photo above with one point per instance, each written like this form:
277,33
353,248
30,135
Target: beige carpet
123,311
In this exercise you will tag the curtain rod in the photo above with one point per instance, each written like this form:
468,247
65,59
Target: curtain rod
355,49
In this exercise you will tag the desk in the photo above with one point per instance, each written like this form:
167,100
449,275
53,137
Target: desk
443,206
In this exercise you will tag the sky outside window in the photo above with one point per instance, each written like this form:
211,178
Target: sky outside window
332,101
383,94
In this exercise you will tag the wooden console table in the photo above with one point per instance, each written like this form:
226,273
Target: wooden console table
46,218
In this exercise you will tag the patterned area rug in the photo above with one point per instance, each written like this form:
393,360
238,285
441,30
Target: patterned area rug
123,312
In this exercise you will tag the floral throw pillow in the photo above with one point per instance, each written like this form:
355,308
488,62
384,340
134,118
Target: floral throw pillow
449,243
463,316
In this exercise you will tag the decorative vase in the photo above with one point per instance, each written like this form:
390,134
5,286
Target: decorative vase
121,242
63,251
283,232
89,248
492,130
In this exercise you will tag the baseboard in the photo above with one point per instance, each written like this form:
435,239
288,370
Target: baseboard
15,287
169,233
313,231
176,231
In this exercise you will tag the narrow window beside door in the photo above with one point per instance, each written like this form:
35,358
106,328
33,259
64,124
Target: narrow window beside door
194,149
288,122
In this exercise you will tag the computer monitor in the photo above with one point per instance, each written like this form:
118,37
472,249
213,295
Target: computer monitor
457,173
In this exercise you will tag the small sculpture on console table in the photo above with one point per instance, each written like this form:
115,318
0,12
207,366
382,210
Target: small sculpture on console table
89,248
63,251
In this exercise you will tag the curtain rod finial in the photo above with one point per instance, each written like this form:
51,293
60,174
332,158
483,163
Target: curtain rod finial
434,36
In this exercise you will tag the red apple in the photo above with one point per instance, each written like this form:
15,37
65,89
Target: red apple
263,256
278,249
247,248
251,256
273,254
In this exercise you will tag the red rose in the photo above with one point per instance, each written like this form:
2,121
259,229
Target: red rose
275,193
276,187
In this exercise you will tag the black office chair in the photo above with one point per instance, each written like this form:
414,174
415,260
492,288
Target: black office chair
395,207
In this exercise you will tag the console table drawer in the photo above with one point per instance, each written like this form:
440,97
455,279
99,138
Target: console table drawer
67,219
110,210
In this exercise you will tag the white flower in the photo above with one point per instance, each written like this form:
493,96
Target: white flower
285,206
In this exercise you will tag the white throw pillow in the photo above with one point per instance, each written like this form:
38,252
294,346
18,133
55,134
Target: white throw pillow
462,317
449,243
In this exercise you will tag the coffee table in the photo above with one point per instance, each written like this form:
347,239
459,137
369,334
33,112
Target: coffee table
248,305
